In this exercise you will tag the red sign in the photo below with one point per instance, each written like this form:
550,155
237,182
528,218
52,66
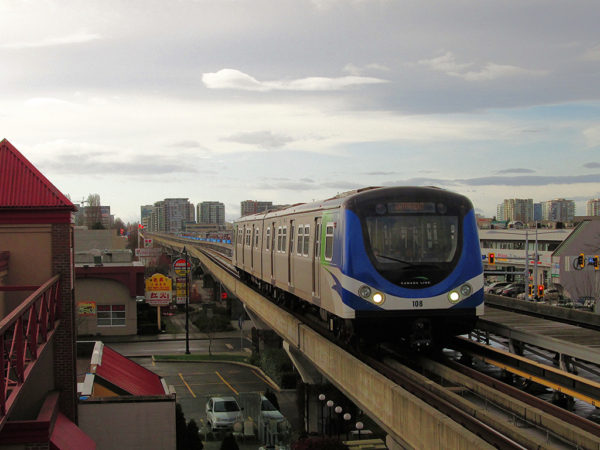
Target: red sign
181,267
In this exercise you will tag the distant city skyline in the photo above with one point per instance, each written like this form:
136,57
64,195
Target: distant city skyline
298,100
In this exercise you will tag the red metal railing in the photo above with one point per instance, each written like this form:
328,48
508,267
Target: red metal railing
23,335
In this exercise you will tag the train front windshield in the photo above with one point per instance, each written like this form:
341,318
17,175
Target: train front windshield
412,244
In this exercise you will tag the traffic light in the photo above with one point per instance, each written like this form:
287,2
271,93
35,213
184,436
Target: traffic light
491,258
581,261
595,263
531,289
540,290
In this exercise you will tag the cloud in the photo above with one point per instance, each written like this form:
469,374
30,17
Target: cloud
591,165
358,70
592,54
77,38
531,180
448,64
186,144
264,139
515,171
234,79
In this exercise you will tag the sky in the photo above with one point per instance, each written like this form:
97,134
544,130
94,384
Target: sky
297,100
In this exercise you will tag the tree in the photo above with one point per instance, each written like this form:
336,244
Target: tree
94,212
229,443
193,437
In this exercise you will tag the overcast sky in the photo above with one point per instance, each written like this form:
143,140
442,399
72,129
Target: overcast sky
295,100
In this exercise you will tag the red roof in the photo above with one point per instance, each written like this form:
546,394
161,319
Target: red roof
23,186
67,436
128,375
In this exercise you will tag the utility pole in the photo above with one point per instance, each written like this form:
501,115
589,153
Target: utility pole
187,304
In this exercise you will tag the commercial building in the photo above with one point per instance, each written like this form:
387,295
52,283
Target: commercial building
122,404
107,283
36,269
555,258
94,217
210,213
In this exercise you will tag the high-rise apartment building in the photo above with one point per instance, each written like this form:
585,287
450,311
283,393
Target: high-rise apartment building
593,207
253,207
210,213
177,212
558,210
518,210
500,212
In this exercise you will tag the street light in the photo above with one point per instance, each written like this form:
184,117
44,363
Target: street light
338,411
347,418
322,400
329,405
187,304
359,426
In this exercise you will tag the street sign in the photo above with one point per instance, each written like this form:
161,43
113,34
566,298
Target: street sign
181,267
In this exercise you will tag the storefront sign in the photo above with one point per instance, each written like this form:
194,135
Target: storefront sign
158,290
86,308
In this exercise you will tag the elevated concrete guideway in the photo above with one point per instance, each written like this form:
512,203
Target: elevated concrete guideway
409,422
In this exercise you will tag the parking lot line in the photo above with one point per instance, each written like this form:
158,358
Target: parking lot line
187,385
228,385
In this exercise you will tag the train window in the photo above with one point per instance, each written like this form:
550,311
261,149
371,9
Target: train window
248,237
300,239
329,242
256,233
279,235
269,238
306,240
284,240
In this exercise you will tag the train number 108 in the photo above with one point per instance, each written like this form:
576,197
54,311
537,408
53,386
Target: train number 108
417,303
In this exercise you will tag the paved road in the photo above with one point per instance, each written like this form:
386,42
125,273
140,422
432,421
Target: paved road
170,347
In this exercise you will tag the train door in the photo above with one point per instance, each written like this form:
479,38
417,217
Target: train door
316,266
291,252
252,247
272,246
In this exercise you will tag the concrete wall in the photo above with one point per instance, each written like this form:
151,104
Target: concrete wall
105,292
30,263
150,425
40,381
98,239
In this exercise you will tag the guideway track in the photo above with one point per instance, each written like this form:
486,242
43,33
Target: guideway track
551,377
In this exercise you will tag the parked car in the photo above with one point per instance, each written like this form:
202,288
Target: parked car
222,412
513,289
491,288
268,411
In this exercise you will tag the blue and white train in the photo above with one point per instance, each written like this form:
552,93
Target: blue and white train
397,264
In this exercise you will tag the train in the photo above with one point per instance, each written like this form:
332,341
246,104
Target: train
379,264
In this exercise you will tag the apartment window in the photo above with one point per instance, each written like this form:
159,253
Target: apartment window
329,242
111,315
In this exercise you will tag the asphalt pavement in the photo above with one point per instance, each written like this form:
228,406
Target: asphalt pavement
195,382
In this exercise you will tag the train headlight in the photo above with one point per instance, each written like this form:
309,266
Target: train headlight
364,291
453,297
465,290
378,298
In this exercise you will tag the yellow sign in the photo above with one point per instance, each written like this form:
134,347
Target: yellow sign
86,308
158,290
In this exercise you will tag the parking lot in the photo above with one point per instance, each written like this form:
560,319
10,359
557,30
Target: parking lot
195,382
